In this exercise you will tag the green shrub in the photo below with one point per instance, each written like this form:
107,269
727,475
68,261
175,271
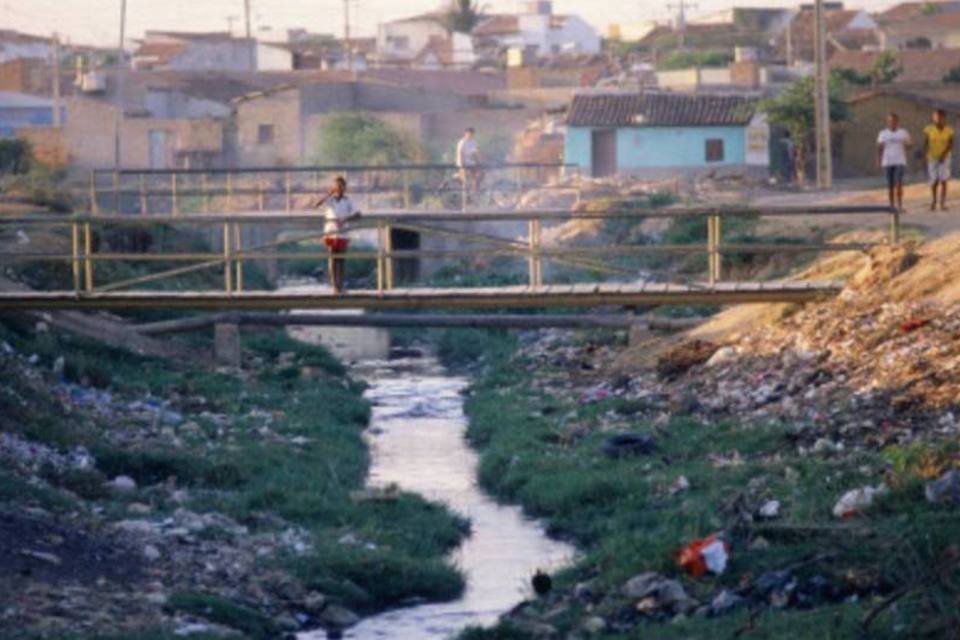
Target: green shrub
15,156
354,139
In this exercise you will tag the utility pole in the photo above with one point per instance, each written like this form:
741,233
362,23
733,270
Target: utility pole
120,88
681,8
346,35
55,74
251,45
822,98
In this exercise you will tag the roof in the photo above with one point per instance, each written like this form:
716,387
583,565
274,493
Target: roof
911,10
924,24
947,98
497,25
188,35
9,100
660,109
9,35
919,65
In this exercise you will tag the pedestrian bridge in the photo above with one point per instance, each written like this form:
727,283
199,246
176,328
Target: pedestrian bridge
579,276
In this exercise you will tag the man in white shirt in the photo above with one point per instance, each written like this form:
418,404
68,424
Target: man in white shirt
468,160
892,145
338,212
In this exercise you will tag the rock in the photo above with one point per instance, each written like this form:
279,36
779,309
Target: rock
594,625
334,615
43,556
667,593
314,603
625,445
151,553
945,489
857,501
123,484
721,357
769,510
139,508
59,365
724,602
286,622
136,527
535,628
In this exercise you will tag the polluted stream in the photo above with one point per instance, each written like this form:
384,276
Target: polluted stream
417,442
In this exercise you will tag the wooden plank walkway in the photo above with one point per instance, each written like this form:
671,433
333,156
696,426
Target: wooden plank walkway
580,295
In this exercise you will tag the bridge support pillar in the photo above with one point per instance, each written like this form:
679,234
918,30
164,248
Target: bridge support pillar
226,344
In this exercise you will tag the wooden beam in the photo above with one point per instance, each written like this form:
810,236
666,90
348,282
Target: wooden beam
472,298
393,320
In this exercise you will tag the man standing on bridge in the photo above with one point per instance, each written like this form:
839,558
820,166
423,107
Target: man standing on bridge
339,211
892,144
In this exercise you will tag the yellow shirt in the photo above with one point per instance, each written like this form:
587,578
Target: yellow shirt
938,140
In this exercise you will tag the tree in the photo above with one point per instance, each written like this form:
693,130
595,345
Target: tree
953,75
354,139
794,109
885,69
462,16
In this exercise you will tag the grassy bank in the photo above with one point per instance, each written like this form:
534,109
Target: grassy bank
277,447
888,573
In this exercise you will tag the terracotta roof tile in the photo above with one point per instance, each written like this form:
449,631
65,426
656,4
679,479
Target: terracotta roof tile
919,65
657,109
497,25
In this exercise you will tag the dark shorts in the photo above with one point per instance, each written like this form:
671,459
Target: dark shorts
895,175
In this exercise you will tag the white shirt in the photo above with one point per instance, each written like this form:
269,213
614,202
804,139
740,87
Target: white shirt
894,146
335,212
467,151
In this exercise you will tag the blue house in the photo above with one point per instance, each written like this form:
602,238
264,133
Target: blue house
23,110
657,134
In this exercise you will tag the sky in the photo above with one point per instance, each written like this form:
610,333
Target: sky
97,22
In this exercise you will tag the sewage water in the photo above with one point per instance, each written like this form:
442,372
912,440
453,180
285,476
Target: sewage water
417,441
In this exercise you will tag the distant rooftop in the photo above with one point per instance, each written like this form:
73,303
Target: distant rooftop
9,100
659,109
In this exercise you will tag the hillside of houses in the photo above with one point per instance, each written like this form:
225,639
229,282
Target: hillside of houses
218,99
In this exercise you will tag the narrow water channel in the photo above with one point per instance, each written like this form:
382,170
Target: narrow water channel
417,441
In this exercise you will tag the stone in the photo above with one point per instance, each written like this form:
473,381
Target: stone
945,489
334,615
139,508
43,556
314,603
123,484
667,593
59,365
721,356
623,445
594,625
151,553
724,602
769,510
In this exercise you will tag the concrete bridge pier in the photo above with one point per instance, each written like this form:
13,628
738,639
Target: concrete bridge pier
226,345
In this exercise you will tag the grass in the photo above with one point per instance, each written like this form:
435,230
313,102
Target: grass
231,468
253,624
624,518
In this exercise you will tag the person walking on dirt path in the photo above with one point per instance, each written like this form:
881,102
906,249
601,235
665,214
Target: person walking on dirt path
892,145
468,160
938,147
339,211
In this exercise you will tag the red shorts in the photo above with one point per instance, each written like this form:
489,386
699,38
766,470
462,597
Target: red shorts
336,244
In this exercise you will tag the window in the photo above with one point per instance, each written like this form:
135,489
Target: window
265,134
715,150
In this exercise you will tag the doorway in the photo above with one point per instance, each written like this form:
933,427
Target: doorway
603,155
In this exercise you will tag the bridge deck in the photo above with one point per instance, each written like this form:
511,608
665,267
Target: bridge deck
590,295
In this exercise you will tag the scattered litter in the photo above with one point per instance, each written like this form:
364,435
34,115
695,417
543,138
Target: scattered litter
596,394
708,554
857,501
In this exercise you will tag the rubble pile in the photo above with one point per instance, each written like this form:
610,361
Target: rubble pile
114,551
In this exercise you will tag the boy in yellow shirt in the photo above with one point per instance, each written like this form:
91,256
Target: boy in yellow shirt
938,146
